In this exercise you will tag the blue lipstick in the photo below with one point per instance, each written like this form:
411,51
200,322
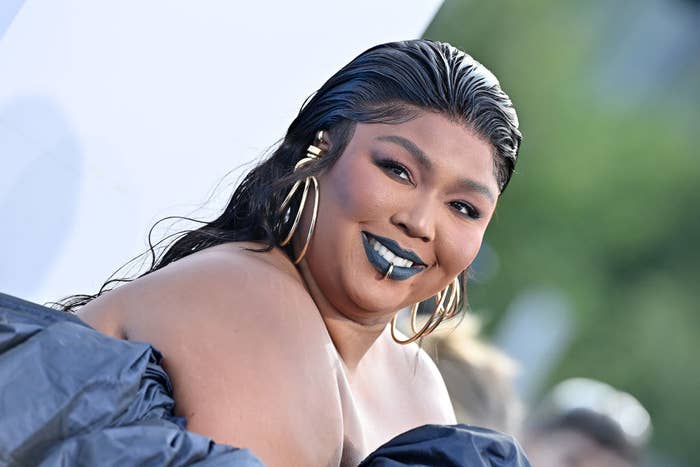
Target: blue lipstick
399,273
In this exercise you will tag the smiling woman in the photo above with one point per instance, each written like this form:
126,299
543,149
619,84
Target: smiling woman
275,319
410,203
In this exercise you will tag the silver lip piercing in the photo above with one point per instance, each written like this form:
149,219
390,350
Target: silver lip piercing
389,271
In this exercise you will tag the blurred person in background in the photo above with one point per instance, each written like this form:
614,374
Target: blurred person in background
479,377
587,423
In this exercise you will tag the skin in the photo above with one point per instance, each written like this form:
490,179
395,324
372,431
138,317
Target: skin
296,363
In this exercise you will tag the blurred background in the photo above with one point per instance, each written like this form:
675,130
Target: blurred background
592,264
115,115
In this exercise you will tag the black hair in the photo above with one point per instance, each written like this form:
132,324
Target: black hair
389,83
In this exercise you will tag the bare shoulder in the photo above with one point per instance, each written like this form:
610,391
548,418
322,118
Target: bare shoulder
245,347
211,279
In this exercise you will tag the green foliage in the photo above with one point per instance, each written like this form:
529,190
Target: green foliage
605,201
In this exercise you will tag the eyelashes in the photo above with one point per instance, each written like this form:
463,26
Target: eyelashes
395,170
466,209
400,173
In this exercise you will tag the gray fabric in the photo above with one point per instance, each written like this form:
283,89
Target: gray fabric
449,446
72,396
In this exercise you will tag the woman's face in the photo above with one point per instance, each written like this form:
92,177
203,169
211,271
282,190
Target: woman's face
419,195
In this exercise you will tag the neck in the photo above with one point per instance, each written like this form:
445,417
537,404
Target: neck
351,338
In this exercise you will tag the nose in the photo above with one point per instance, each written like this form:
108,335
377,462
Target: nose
417,218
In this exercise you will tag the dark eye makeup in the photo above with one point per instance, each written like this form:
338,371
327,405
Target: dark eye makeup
394,169
399,172
465,209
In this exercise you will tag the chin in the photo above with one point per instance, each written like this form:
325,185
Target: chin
375,298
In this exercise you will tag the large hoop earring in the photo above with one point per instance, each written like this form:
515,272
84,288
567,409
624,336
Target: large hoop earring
313,152
447,306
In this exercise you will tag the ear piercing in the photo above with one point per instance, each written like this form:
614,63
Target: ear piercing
313,153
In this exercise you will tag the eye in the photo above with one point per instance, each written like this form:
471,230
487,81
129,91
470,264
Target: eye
465,209
395,169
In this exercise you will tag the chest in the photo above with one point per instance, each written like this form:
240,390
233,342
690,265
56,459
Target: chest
377,405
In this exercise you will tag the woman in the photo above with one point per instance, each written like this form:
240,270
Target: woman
276,319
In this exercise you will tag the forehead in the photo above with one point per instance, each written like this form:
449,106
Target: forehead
449,146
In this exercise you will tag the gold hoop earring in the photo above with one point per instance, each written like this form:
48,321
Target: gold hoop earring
313,152
447,306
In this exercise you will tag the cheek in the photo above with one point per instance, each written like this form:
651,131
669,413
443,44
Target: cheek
357,191
460,247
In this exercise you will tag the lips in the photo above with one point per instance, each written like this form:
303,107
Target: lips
381,264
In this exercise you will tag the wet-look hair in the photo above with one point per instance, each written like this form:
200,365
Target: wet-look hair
389,83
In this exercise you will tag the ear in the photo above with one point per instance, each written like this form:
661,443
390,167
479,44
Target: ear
322,140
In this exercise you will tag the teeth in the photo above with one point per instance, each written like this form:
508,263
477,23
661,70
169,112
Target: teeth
389,256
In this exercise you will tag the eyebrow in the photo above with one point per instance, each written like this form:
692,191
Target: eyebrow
409,146
472,185
422,159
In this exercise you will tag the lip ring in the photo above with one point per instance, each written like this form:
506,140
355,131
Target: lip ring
381,265
395,248
389,271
